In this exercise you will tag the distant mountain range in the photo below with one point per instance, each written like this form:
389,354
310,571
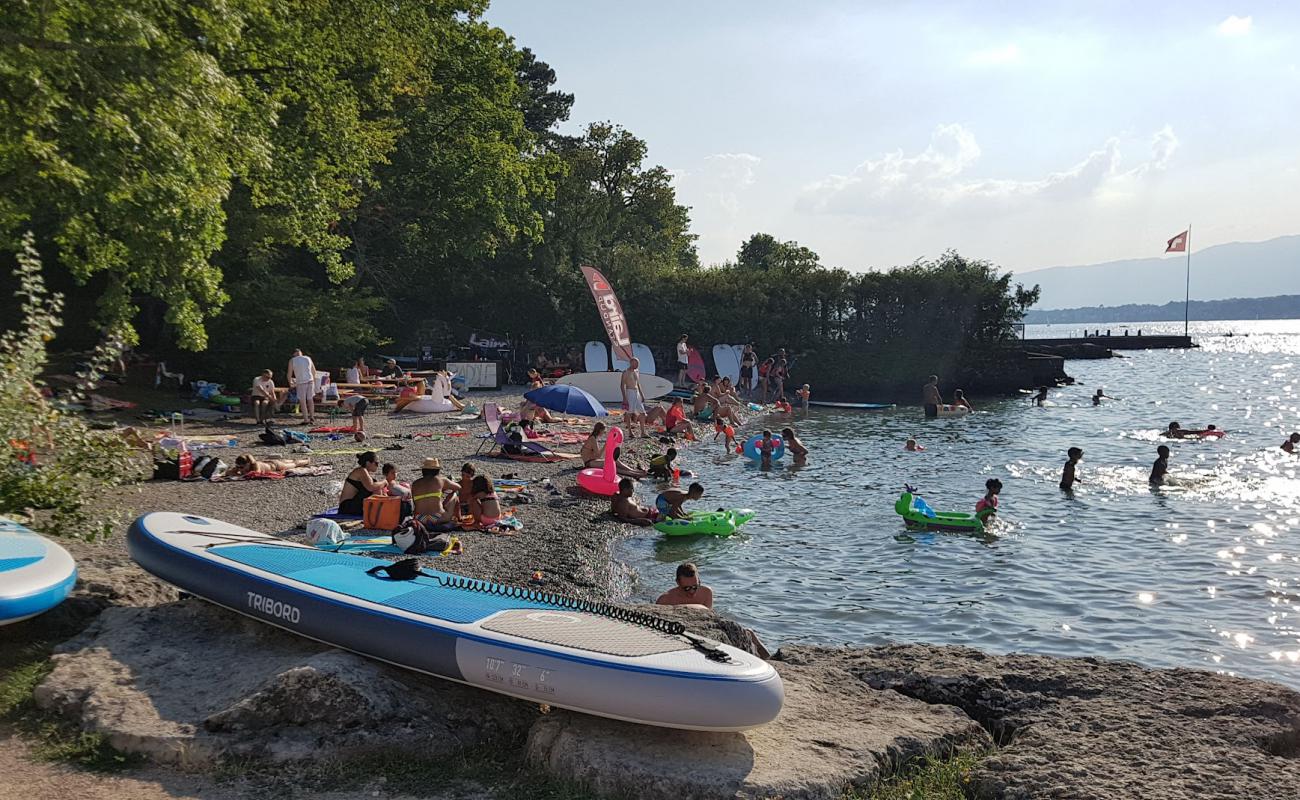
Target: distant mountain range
1225,271
1285,306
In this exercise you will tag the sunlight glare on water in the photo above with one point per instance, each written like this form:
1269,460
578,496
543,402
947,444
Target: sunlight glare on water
1203,572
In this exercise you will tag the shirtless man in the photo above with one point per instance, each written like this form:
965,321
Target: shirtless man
688,591
931,398
1069,474
246,463
633,399
669,502
627,508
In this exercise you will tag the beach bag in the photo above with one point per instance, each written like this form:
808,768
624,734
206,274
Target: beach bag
325,532
273,438
412,538
381,513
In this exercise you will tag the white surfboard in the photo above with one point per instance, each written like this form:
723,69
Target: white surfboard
646,358
725,362
595,357
604,386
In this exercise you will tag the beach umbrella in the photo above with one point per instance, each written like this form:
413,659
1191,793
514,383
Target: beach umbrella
566,400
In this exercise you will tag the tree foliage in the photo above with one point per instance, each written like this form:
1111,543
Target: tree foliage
51,460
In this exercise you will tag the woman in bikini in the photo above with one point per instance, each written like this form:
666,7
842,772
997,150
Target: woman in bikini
246,463
360,484
488,505
592,454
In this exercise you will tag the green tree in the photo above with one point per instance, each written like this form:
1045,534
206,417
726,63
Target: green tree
50,460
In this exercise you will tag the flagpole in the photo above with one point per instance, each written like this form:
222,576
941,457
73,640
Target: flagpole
1187,298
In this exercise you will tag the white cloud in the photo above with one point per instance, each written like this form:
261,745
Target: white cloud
994,56
716,192
1234,26
896,185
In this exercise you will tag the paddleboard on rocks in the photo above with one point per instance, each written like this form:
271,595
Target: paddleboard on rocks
35,573
595,357
604,386
529,644
858,406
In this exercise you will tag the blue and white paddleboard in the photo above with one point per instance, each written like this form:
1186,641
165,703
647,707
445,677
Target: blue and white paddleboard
595,357
527,644
858,406
35,573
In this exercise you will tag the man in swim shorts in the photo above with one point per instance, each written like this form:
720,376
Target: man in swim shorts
688,591
669,502
633,398
931,398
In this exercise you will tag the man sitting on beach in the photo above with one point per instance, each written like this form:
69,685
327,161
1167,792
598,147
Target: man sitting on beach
626,508
688,591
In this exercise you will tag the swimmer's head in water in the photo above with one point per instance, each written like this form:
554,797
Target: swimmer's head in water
1173,426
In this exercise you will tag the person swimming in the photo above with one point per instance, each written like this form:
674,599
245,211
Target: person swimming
912,447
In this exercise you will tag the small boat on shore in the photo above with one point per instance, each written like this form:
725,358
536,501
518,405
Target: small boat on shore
530,644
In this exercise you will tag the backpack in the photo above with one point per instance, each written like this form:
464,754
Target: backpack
273,438
412,538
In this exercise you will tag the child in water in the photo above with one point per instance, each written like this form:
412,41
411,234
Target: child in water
1160,467
987,507
765,448
661,466
805,394
1068,478
912,447
724,429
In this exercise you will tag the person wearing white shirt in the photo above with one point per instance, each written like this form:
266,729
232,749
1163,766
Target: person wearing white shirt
683,360
263,397
357,371
302,376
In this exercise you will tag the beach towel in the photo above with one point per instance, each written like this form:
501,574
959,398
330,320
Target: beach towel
333,429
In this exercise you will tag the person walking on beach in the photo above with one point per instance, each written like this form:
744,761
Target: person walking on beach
1161,466
1068,476
931,398
683,360
688,591
633,399
302,376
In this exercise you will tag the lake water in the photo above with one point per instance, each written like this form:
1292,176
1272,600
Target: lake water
1205,573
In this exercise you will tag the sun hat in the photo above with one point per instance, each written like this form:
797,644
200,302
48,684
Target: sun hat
431,463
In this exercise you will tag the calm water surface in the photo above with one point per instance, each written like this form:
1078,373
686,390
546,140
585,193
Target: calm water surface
1204,573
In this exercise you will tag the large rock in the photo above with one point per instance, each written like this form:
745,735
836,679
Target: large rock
190,683
1093,728
834,731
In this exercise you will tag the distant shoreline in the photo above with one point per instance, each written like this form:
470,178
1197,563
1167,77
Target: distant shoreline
1253,308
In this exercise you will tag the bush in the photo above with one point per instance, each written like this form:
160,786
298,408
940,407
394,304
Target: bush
50,459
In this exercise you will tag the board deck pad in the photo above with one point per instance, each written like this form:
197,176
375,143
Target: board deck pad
585,632
346,574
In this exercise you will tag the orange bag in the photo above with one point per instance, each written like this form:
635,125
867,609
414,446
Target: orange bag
381,513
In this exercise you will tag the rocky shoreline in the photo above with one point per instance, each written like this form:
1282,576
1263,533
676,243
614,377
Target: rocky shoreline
193,687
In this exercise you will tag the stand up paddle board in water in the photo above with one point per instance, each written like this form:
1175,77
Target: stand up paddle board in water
35,573
533,645
858,406
595,357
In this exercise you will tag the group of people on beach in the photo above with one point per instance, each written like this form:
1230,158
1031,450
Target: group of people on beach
438,503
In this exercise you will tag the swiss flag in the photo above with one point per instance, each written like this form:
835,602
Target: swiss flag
1178,244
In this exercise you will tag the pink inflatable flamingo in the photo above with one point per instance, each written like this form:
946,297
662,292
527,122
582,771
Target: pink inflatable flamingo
604,481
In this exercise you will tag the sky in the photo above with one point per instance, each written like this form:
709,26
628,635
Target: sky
876,133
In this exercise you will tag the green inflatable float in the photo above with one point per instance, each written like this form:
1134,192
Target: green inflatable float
706,523
917,514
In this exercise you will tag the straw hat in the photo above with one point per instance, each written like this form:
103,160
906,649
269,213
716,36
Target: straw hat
431,463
